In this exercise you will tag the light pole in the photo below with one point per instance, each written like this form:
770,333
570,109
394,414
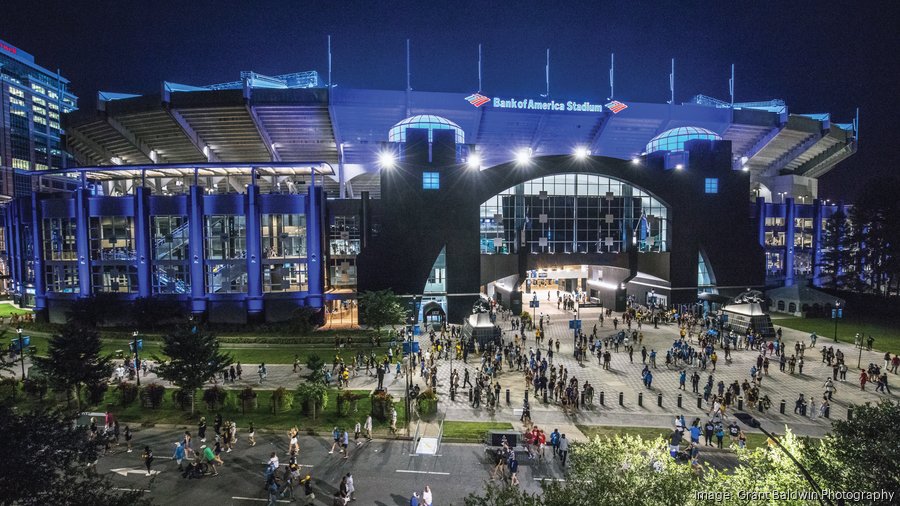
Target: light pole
835,314
21,351
136,359
753,422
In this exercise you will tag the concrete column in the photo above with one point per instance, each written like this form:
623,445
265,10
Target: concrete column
142,241
196,240
83,243
254,257
40,288
761,214
314,262
817,241
789,213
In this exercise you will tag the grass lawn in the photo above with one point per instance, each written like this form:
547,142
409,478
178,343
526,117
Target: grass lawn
753,440
246,354
885,331
472,431
7,310
262,417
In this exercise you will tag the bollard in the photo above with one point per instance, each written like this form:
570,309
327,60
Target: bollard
849,413
507,396
659,399
471,395
700,402
783,405
679,400
526,395
582,397
641,399
621,398
761,408
740,403
545,396
602,398
452,394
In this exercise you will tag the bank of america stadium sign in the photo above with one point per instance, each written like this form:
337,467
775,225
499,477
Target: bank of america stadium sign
479,100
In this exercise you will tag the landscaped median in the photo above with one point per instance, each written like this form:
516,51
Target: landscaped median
754,440
471,432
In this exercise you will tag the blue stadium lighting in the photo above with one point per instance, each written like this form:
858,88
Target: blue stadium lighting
674,139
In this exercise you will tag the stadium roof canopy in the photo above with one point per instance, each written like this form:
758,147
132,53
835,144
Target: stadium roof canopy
292,118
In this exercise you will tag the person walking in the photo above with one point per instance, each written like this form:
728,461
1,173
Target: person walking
251,435
128,437
147,457
351,489
426,496
513,469
563,449
178,456
201,429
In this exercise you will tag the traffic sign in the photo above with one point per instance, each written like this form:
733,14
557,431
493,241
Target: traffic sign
837,313
534,304
575,324
140,345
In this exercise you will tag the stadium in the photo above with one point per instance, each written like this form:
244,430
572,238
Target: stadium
246,200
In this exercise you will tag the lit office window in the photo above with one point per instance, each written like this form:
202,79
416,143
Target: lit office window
712,185
431,181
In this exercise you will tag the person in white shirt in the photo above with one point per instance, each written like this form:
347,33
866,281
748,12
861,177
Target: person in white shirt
426,496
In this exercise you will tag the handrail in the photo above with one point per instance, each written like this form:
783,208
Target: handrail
440,440
416,437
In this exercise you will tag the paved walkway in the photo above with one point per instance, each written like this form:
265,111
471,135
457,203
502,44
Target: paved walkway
625,377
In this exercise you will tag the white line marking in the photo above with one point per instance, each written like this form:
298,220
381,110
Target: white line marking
422,472
132,490
257,499
550,479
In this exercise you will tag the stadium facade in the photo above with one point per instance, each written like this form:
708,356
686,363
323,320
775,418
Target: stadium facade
245,200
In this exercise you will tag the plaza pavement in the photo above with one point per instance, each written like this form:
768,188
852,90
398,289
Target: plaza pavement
624,377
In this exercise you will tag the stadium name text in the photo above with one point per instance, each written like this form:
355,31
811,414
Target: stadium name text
553,105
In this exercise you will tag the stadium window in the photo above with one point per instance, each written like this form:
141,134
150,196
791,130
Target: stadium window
712,185
431,181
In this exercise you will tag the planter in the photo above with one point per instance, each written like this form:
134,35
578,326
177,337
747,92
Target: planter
249,404
381,406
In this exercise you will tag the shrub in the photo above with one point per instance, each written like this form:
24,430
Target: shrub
427,402
96,392
214,397
315,363
247,398
347,400
36,387
183,398
128,392
247,394
314,397
152,395
381,405
282,399
8,388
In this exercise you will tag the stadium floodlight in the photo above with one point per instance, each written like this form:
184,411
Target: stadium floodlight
745,168
582,152
474,161
679,166
635,160
523,156
387,159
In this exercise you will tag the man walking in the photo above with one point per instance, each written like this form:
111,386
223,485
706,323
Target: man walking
563,449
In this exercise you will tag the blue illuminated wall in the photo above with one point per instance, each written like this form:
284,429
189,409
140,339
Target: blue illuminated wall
65,246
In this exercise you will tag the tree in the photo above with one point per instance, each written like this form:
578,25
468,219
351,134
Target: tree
380,309
314,362
194,358
860,454
612,471
314,395
38,470
73,361
836,250
876,234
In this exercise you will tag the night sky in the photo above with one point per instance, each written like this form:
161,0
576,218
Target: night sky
817,56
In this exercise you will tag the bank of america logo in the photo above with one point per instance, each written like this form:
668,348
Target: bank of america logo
616,107
477,99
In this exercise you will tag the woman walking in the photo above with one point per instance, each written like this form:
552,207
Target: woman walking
147,456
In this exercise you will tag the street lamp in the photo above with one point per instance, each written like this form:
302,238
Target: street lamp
747,419
136,360
835,314
21,351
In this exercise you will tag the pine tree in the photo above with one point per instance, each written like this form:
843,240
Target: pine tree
73,360
836,250
194,358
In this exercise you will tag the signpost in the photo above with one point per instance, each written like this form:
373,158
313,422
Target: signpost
136,345
21,351
836,314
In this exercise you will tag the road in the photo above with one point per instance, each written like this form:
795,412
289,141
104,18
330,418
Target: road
384,472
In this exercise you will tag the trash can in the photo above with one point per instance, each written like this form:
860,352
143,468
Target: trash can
782,406
602,398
